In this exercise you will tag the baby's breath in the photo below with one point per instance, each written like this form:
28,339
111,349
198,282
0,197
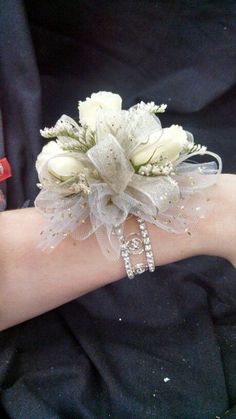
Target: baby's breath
151,107
195,148
155,169
69,137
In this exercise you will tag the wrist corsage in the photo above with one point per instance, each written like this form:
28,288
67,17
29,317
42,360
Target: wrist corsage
114,163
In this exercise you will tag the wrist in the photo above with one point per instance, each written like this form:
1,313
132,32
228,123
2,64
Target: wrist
172,247
168,247
216,233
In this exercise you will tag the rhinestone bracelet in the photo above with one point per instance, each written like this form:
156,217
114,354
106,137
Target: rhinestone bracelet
136,244
147,245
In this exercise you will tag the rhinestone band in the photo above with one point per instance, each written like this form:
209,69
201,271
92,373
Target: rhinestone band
124,252
147,245
136,244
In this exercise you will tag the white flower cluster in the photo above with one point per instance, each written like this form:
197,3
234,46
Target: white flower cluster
150,149
70,136
80,186
151,107
152,169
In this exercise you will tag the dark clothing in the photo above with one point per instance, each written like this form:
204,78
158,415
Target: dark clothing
163,345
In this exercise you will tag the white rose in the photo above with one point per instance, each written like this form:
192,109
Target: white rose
64,167
102,100
48,151
61,167
166,147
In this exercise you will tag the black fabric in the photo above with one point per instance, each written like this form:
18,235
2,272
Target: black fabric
162,346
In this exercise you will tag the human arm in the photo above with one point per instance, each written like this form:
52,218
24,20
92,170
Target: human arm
33,282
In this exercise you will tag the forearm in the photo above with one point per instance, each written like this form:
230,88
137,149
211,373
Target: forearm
33,282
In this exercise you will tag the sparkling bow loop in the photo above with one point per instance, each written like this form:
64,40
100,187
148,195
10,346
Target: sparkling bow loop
110,161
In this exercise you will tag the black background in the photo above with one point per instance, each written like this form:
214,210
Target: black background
106,355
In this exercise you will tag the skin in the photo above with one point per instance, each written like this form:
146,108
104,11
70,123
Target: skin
33,282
